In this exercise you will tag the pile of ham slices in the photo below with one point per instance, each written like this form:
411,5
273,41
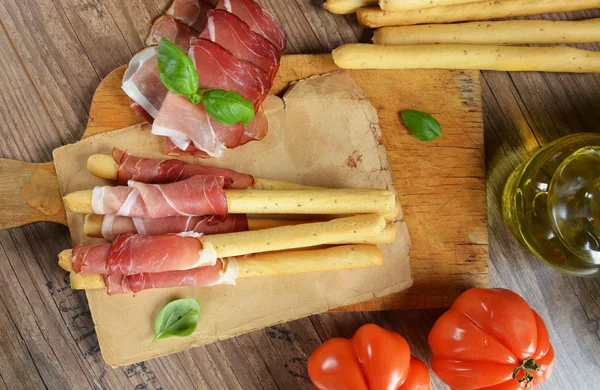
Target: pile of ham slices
235,45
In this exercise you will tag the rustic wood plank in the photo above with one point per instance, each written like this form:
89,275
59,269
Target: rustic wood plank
517,111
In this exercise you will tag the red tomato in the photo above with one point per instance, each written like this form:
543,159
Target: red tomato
374,359
491,339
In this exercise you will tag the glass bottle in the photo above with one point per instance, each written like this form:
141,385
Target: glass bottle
551,203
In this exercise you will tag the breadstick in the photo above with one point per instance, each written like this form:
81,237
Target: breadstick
336,258
483,57
105,167
509,32
350,229
409,5
319,201
93,228
347,6
376,17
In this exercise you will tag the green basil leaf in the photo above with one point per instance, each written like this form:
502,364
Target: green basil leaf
178,318
422,125
227,107
176,69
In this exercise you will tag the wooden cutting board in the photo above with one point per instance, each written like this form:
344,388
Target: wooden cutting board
441,184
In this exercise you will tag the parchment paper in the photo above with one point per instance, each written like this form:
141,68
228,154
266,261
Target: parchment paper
322,133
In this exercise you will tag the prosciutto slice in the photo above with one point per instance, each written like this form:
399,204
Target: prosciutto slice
198,195
259,20
225,271
90,259
168,27
255,131
191,12
113,226
132,254
219,68
187,124
233,34
153,171
141,82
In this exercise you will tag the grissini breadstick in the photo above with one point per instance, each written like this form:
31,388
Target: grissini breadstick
350,229
319,201
347,6
105,167
375,17
508,32
409,5
269,264
481,57
93,228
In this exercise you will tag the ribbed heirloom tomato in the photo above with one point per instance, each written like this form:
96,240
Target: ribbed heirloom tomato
374,359
491,339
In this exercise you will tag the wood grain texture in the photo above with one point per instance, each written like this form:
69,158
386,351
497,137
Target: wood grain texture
46,332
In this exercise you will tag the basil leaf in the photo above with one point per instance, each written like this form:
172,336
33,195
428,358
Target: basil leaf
176,69
227,107
422,125
178,318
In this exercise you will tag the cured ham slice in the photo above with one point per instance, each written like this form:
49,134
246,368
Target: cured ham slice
191,12
187,124
136,253
141,82
113,226
90,259
147,170
259,20
225,271
219,68
132,254
255,131
198,195
233,34
168,27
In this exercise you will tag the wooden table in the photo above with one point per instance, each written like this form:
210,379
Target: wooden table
53,55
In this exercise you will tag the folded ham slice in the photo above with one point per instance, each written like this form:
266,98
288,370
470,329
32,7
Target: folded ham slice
141,82
191,12
113,225
187,124
175,31
198,195
147,170
217,67
233,34
230,136
225,271
259,20
132,254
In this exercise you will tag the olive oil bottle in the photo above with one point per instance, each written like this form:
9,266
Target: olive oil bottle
551,203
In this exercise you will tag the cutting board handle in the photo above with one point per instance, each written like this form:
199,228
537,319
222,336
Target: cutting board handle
29,193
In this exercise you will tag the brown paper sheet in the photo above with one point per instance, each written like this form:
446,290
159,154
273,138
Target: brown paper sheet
322,133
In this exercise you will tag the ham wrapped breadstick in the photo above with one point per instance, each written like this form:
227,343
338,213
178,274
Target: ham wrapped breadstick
122,166
227,271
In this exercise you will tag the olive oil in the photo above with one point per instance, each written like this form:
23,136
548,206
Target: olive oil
551,203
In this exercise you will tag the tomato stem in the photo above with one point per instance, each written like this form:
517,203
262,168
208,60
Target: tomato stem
523,372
